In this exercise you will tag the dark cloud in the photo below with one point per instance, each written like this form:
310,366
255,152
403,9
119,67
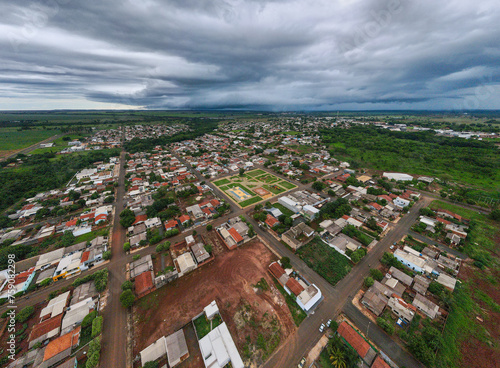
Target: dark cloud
277,55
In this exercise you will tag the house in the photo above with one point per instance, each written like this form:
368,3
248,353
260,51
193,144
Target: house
218,349
176,347
421,284
200,253
410,260
170,225
76,313
400,276
357,342
184,219
398,176
144,284
55,307
374,301
195,211
271,221
60,348
45,330
401,309
186,263
427,307
400,202
238,239
298,235
152,223
154,351
274,212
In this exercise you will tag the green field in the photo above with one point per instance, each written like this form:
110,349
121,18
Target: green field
251,182
287,185
59,144
326,261
14,139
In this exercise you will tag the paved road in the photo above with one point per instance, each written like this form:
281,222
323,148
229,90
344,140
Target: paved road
114,338
289,354
399,356
427,240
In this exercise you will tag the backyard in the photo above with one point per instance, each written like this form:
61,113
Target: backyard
326,261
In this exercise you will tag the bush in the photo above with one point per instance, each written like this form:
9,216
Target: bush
386,326
88,319
97,326
369,281
25,314
93,360
358,254
106,255
46,282
126,247
285,262
209,227
127,298
150,365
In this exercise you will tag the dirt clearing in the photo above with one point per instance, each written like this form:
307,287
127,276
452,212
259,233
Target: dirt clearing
254,311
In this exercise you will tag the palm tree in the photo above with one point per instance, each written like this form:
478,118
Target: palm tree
336,357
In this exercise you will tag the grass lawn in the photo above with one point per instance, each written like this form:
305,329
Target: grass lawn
250,201
202,326
292,132
12,139
298,313
92,235
285,211
254,173
223,188
222,182
326,261
286,184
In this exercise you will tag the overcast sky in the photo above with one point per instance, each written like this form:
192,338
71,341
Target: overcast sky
254,54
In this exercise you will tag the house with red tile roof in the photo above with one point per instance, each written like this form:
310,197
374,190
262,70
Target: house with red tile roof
45,330
184,219
357,342
60,348
170,225
235,235
380,363
100,218
140,219
271,221
375,206
294,286
144,284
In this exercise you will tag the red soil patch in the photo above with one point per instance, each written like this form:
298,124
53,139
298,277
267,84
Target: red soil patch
228,280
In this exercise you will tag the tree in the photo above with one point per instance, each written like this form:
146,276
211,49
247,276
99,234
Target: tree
318,186
25,314
376,274
285,262
127,298
241,171
127,217
209,227
495,214
369,281
126,247
106,255
127,285
88,319
336,357
97,326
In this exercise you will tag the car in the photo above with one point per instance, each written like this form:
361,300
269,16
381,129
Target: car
394,243
322,327
302,363
392,247
328,323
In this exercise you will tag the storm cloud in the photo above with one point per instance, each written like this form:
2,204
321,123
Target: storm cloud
267,55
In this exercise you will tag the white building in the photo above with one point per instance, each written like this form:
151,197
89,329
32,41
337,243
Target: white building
218,349
290,204
400,202
398,176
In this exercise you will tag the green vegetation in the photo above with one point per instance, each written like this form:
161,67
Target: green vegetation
127,298
326,261
298,313
338,354
97,326
287,185
100,279
31,177
285,211
250,201
25,314
355,233
222,182
468,161
17,138
202,326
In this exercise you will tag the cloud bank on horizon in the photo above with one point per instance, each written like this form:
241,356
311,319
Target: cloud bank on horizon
250,54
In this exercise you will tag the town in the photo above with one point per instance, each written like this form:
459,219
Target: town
259,242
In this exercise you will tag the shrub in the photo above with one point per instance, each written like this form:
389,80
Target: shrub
88,319
25,314
93,360
106,255
386,326
150,365
46,282
209,227
126,247
97,326
127,298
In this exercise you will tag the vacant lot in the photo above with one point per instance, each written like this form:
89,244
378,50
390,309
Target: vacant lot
13,139
326,261
256,315
252,187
